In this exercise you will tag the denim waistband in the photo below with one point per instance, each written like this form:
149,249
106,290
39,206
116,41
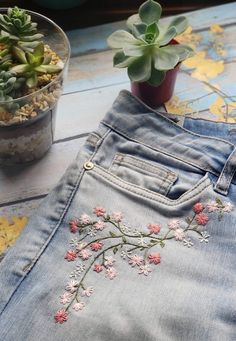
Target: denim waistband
133,119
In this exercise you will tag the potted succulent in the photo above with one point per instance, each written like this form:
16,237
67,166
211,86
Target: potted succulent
34,54
150,53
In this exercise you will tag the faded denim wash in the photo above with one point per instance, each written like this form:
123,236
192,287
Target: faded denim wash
136,242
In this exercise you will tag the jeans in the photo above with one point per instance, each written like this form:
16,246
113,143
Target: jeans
136,242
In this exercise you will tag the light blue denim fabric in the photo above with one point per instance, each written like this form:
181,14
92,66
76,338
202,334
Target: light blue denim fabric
154,204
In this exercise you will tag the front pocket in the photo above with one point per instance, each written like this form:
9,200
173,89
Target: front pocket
142,173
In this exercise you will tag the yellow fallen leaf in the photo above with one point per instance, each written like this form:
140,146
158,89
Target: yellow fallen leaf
189,38
10,230
216,28
220,109
178,107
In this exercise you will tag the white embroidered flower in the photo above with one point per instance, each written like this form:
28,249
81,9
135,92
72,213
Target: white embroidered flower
84,254
204,238
111,273
174,224
179,234
88,292
142,241
212,206
188,242
74,242
80,267
109,261
65,298
144,270
72,286
92,232
117,216
228,207
80,246
125,254
135,260
99,225
79,306
85,219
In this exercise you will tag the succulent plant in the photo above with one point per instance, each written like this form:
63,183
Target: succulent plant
9,84
33,64
149,50
16,27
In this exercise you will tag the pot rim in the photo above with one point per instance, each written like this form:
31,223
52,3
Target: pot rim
2,9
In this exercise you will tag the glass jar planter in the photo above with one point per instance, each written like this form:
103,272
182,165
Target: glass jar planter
27,124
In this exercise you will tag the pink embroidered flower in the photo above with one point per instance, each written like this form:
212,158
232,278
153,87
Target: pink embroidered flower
174,224
179,234
99,225
88,292
154,258
198,207
111,273
61,316
228,207
79,306
212,206
97,268
65,298
117,216
201,219
85,219
72,286
74,225
85,254
81,245
144,270
109,261
96,246
135,260
99,211
70,256
154,228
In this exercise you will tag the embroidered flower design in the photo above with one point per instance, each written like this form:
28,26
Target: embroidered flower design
99,225
71,255
201,219
88,292
96,246
84,254
174,224
135,260
198,207
144,270
154,228
61,316
141,250
154,258
85,219
79,306
99,211
97,268
111,273
179,234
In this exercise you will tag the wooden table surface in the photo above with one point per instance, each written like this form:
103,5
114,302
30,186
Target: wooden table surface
206,87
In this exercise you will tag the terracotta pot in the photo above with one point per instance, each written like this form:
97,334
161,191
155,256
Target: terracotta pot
154,96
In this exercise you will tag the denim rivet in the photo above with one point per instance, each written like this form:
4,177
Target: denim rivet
88,165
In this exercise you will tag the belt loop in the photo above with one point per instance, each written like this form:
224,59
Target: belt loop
223,183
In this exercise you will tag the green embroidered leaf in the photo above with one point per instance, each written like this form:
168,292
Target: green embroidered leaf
219,202
162,244
115,249
112,234
124,239
150,11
